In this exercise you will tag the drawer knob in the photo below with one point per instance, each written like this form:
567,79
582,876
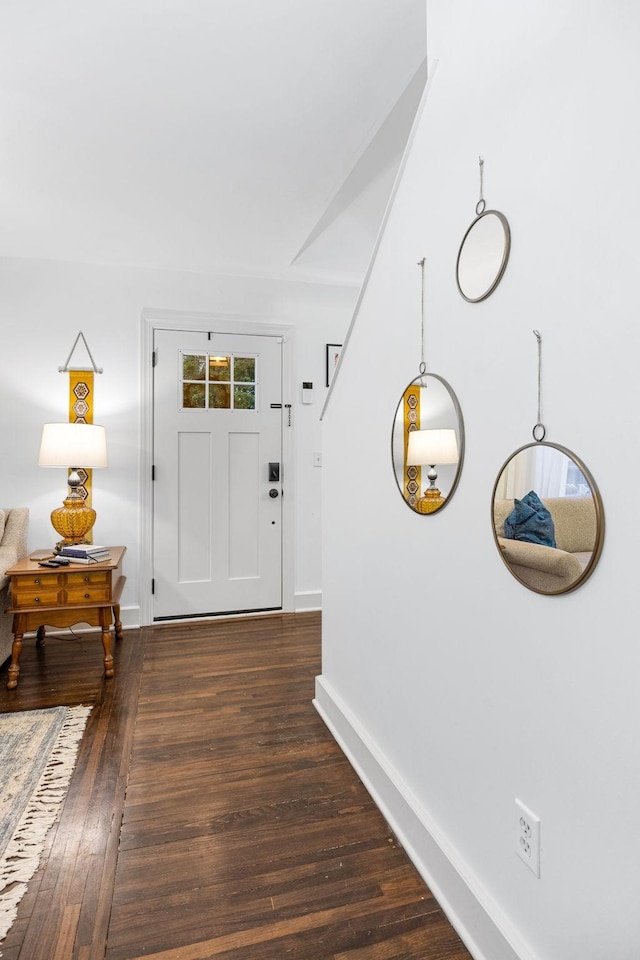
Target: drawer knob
86,596
86,579
36,599
37,580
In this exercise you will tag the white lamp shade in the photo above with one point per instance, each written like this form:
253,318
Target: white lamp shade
73,445
429,447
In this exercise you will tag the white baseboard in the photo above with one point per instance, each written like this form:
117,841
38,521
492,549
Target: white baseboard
311,600
130,616
478,920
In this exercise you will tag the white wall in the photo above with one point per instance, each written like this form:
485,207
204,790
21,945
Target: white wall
43,306
452,687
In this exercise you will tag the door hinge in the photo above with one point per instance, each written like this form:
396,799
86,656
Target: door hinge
154,357
153,586
153,472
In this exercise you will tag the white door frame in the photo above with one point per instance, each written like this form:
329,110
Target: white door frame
175,320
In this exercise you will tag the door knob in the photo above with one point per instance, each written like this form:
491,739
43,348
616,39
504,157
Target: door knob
273,493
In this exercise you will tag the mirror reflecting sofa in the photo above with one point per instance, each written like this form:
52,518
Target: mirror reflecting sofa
14,522
551,569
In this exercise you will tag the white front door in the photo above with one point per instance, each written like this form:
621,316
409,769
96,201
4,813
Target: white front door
217,491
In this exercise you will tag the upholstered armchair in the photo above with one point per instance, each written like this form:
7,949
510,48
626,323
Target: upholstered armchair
14,525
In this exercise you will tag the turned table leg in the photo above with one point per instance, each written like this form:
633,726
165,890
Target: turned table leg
117,622
14,666
108,657
105,623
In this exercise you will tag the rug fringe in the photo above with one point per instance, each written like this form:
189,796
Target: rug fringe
23,852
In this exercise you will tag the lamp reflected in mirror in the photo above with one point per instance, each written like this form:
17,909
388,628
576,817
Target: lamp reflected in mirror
427,443
430,448
78,447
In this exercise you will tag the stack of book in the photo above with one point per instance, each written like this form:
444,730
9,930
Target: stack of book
85,553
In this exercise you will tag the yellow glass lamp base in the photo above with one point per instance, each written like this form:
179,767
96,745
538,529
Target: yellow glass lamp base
431,501
73,521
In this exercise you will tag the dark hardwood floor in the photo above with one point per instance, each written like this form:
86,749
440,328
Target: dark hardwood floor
211,814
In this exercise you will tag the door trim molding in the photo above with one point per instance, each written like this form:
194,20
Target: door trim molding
152,320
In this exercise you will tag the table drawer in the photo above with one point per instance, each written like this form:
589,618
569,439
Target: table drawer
40,588
87,593
84,578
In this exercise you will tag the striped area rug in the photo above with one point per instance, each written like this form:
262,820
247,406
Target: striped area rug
38,750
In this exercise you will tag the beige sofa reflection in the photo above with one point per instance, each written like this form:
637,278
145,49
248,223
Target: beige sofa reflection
549,569
13,547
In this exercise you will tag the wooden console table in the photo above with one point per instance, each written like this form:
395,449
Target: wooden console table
77,593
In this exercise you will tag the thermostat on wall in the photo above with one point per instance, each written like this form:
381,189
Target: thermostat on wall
307,391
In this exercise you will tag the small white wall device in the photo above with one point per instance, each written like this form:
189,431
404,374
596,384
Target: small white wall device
307,391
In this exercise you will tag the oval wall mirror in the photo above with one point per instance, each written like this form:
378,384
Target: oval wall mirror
547,518
427,444
483,256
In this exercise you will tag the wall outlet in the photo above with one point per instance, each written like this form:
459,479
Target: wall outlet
528,837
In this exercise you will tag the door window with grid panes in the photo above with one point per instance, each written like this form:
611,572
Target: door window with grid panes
219,382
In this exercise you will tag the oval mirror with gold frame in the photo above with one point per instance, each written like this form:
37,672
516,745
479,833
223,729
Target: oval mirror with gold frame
427,444
547,518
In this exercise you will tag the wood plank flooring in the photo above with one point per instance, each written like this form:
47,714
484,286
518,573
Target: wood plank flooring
65,913
211,814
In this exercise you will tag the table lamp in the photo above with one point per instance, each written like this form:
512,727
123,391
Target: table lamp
76,446
428,448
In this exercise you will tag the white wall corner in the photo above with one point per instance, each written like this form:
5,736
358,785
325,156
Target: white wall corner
308,600
480,923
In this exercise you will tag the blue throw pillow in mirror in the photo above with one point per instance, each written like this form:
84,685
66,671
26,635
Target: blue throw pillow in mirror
531,521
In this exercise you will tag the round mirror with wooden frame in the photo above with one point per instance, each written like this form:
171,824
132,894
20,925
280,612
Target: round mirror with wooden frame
547,518
427,444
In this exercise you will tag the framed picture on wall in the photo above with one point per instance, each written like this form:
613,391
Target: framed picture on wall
333,355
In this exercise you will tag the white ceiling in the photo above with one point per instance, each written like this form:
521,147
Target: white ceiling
219,136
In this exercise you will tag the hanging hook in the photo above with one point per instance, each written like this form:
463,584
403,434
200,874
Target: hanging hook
480,205
65,368
423,367
539,431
